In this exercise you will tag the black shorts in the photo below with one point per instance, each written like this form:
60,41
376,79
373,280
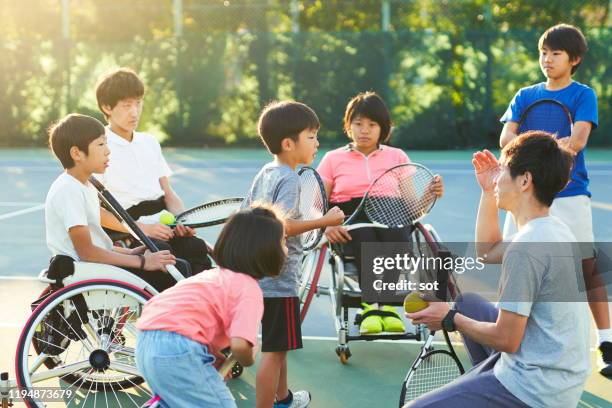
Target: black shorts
281,324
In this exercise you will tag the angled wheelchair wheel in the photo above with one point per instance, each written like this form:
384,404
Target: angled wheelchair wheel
82,339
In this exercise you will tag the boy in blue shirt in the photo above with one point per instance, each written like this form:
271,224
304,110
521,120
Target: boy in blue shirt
289,131
562,48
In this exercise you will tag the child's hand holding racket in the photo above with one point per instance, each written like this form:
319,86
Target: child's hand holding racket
157,261
487,169
565,143
437,187
335,216
183,231
337,234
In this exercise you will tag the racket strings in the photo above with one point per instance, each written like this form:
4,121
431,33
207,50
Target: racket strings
401,196
312,204
549,117
435,371
209,213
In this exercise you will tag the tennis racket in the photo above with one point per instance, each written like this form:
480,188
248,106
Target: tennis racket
313,204
209,214
399,197
431,370
548,115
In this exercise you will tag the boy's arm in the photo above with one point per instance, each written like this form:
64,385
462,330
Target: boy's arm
509,132
334,216
88,252
579,137
174,204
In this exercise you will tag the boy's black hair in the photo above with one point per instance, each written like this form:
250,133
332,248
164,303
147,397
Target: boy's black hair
369,105
74,130
119,84
565,37
285,119
252,242
538,153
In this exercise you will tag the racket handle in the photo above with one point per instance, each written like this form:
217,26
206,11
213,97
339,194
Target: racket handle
172,270
227,365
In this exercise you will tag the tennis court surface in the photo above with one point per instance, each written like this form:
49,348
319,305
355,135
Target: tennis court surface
375,372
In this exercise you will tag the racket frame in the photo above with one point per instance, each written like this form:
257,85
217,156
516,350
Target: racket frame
218,221
373,183
321,230
541,102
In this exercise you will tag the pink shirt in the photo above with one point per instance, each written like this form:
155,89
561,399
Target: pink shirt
350,172
210,308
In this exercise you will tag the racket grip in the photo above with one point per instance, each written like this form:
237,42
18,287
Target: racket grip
172,270
227,365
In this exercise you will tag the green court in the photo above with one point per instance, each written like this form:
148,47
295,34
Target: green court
375,372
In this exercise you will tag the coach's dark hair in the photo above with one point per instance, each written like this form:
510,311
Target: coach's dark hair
548,163
566,38
285,119
74,130
119,84
369,105
252,242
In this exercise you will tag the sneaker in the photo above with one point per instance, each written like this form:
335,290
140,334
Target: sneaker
301,399
392,322
604,360
371,323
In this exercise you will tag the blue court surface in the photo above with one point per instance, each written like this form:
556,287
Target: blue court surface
374,375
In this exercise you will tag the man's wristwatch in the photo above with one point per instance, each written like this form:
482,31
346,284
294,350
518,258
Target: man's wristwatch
448,323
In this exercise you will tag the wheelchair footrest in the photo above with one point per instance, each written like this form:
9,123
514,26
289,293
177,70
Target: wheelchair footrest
384,336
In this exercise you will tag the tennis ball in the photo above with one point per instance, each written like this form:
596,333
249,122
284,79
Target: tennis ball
413,302
166,218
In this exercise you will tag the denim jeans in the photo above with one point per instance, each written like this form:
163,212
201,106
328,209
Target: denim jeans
180,371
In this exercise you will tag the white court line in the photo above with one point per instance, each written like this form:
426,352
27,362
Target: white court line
601,206
22,278
21,212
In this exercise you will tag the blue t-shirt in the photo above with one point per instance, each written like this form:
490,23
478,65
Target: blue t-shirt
582,104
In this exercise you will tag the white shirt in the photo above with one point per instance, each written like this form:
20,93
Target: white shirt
71,203
134,168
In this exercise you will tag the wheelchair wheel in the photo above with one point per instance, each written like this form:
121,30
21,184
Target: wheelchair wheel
82,338
310,272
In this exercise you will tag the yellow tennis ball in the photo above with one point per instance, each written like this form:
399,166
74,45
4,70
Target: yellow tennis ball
167,218
413,302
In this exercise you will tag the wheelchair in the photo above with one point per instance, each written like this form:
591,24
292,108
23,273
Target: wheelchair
343,287
79,342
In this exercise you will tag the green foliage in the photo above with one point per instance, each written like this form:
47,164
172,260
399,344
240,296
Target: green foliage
447,68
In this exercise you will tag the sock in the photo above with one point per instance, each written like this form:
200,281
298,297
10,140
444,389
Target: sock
287,400
604,335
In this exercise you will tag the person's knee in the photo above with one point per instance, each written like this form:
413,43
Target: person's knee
465,303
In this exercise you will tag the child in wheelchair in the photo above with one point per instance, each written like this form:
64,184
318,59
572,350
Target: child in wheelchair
347,173
185,327
72,206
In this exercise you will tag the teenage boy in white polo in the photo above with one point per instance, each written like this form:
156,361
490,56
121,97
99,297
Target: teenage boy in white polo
138,175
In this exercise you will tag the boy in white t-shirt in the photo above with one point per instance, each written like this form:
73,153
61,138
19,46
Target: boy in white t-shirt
72,207
137,174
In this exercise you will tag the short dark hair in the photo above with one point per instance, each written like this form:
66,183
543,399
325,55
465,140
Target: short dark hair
285,119
252,242
538,153
74,130
566,38
116,85
369,105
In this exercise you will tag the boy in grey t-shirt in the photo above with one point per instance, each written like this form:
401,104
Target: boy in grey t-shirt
289,132
532,350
